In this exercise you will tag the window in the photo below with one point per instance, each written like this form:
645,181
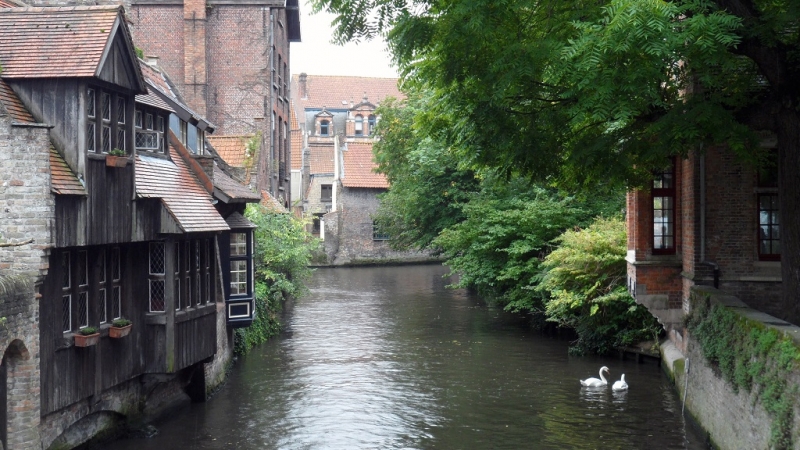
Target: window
106,121
157,276
324,126
359,125
149,132
377,234
241,258
326,193
769,238
90,292
371,124
177,291
663,195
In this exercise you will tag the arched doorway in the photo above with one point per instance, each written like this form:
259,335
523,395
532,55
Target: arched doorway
15,352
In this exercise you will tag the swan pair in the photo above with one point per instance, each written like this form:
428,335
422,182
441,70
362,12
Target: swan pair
619,385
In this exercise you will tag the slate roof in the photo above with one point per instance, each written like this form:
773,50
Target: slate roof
230,148
57,42
232,189
237,220
358,167
331,91
62,179
13,105
179,190
320,159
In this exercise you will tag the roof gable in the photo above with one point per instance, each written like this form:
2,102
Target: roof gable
340,91
80,41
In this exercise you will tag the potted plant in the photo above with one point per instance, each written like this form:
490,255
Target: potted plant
120,327
86,337
116,158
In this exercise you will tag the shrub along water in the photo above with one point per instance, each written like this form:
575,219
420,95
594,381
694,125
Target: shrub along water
283,251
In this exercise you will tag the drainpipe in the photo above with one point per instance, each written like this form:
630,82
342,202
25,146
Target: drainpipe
713,265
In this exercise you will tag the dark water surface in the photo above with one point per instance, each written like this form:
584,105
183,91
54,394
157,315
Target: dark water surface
387,358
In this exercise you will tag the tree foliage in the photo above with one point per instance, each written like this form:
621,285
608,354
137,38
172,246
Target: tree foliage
583,92
584,281
283,251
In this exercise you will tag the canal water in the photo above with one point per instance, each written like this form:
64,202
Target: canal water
389,358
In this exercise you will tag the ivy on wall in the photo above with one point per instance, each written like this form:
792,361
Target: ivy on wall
753,357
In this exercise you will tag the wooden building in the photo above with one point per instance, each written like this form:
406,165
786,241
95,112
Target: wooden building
143,226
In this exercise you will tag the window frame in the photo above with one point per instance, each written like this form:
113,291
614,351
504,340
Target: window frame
322,193
359,125
664,193
246,257
106,124
324,127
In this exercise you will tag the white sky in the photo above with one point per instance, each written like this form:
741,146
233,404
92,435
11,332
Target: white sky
315,55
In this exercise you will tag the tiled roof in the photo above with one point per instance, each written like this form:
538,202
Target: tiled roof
271,203
10,4
331,91
56,42
13,105
62,179
237,220
179,190
230,148
358,167
296,142
320,158
160,86
232,189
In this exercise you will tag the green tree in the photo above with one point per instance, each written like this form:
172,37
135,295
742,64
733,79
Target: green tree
283,250
578,92
584,281
428,188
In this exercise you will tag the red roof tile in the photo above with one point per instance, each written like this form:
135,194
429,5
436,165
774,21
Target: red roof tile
331,91
272,203
62,179
320,159
358,167
10,4
13,105
230,148
180,192
56,42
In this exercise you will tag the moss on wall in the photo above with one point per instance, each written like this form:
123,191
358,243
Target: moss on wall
752,357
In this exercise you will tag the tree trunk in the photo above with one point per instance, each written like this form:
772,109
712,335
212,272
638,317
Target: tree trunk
789,199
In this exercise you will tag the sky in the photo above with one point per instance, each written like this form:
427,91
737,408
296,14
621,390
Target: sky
315,55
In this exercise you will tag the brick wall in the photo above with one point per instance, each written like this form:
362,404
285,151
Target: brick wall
158,31
27,213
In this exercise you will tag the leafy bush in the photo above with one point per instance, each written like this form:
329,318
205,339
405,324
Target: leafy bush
584,280
283,251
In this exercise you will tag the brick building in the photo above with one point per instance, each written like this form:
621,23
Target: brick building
336,119
710,220
230,59
106,213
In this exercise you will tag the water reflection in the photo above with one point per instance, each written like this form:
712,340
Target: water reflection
382,358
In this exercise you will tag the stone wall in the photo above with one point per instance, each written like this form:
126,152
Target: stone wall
27,211
349,233
733,420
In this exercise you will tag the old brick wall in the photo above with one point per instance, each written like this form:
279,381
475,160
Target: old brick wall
158,31
355,238
27,211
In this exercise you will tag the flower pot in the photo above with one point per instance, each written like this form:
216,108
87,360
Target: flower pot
116,161
86,340
119,332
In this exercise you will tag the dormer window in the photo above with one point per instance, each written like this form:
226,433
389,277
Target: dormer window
324,128
359,125
149,131
105,121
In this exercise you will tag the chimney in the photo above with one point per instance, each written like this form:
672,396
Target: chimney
151,60
303,86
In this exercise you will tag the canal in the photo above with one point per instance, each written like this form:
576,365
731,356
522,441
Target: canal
389,358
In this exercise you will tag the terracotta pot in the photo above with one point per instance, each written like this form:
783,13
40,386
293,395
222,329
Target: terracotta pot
116,161
119,332
86,340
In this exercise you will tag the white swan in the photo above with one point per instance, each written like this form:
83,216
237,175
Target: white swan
620,385
594,382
